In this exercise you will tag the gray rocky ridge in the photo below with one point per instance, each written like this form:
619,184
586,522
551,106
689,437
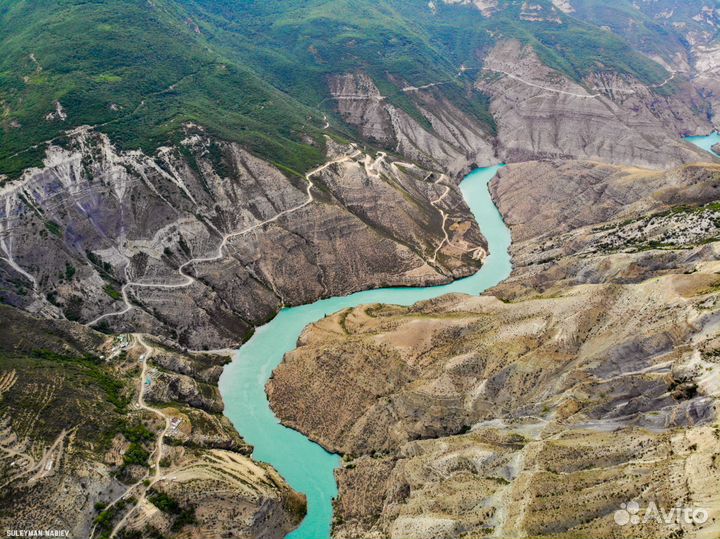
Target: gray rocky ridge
129,242
542,113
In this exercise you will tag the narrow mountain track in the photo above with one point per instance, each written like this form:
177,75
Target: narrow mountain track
188,279
157,454
599,90
444,214
546,88
154,473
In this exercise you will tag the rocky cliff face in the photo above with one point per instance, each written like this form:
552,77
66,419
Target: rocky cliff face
593,381
486,7
541,112
698,23
707,68
685,36
203,241
450,140
608,223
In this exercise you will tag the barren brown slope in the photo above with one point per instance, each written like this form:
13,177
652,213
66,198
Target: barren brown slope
542,113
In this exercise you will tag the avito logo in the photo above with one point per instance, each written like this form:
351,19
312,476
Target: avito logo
631,514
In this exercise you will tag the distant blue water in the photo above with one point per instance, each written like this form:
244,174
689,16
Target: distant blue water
306,466
706,142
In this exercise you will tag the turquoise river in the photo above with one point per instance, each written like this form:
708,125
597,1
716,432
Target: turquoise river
706,142
306,466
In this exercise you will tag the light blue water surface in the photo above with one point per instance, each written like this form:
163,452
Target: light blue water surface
706,142
306,466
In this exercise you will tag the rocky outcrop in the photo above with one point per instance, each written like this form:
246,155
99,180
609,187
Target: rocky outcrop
203,241
579,223
537,12
450,140
707,75
542,113
685,39
564,5
172,387
563,196
487,7
210,483
591,383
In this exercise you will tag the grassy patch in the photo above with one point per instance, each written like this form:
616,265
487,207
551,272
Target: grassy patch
61,384
168,505
111,291
53,228
93,368
136,454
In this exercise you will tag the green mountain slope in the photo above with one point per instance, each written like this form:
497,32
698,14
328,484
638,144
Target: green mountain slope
136,69
657,28
297,45
250,71
403,38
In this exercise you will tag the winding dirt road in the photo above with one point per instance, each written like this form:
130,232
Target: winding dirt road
153,475
189,279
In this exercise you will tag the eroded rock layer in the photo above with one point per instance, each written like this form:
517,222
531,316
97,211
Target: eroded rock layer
540,112
447,138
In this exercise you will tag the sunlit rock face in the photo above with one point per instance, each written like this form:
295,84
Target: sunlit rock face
541,112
